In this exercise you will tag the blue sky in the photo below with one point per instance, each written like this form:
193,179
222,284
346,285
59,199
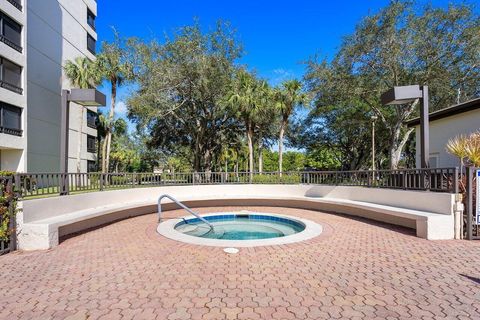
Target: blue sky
277,35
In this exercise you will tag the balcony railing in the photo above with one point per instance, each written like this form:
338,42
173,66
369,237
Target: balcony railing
14,132
11,43
92,123
11,87
45,184
16,4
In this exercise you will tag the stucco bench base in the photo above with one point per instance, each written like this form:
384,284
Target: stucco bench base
45,231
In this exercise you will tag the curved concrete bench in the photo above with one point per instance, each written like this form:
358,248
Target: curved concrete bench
42,221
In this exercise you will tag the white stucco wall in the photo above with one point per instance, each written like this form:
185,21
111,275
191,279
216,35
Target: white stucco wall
57,33
13,148
42,221
445,129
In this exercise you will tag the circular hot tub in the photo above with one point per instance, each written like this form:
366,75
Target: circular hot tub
240,229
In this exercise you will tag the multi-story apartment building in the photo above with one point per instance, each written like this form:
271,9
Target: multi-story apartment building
40,37
13,92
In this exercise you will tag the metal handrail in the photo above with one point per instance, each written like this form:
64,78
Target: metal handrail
181,205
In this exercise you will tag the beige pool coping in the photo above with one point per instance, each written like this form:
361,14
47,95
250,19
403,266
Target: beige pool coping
312,230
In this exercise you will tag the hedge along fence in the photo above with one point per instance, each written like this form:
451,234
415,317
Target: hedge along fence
8,205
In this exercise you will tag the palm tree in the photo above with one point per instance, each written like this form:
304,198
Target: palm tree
244,98
114,68
82,74
288,96
266,125
102,125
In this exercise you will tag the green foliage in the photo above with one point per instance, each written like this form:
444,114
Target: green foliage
112,62
466,148
292,161
250,99
182,85
323,159
82,73
114,66
276,179
399,45
178,164
287,97
8,202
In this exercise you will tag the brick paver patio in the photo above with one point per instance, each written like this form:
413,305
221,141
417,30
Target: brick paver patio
358,269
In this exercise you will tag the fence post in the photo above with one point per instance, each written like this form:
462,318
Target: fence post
102,181
469,209
12,225
17,185
66,185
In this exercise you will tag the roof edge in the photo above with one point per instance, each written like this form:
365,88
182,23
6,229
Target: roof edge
448,112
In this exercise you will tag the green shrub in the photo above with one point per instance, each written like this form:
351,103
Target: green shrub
276,179
8,202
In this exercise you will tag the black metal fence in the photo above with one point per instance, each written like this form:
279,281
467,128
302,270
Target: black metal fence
471,223
38,185
47,184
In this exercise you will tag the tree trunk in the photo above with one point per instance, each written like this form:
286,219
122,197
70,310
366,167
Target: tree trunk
207,157
260,155
397,146
99,152
104,152
226,162
108,142
197,154
235,169
110,120
250,148
280,146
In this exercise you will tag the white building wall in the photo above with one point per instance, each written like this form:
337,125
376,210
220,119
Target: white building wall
445,129
57,33
13,148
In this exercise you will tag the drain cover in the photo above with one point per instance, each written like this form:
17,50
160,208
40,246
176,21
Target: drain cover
231,250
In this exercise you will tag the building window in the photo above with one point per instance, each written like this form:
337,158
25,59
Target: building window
91,166
10,119
91,143
91,19
91,44
17,4
91,119
10,76
10,32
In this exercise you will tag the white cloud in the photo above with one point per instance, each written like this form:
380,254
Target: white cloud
280,74
120,108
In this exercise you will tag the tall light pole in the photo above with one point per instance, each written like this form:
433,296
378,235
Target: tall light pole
85,98
374,118
407,94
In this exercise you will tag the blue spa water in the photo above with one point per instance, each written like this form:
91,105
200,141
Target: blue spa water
240,227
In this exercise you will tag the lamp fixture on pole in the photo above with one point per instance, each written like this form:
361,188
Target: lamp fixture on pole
407,94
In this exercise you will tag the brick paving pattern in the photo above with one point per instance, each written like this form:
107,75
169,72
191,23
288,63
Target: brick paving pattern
358,269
